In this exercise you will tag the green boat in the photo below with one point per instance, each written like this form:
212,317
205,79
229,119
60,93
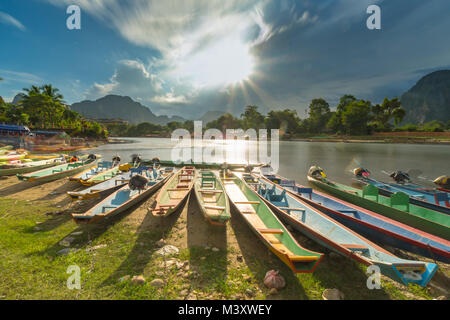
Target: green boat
59,172
212,198
201,165
267,227
396,207
11,170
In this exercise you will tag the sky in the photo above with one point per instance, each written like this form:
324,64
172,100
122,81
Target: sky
188,57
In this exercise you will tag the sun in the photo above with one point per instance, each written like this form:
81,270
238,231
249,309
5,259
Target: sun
226,61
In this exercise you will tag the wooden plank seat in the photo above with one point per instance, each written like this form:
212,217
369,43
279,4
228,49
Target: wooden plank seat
271,231
302,258
292,209
247,202
215,208
178,189
210,191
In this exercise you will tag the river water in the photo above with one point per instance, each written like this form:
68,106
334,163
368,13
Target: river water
296,157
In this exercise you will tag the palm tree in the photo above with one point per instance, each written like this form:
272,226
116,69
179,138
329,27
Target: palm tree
53,93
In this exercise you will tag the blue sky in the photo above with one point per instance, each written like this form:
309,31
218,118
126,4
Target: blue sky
188,57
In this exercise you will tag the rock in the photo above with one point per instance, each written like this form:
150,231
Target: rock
67,241
158,283
96,247
168,250
124,278
184,293
332,294
138,280
66,251
215,249
160,243
250,293
273,291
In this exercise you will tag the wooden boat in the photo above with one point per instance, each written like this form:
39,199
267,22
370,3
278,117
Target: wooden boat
202,165
12,156
369,224
91,172
342,240
29,167
175,192
396,207
44,156
101,176
427,198
124,198
59,172
212,198
268,228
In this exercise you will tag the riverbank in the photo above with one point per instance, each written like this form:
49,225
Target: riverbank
40,241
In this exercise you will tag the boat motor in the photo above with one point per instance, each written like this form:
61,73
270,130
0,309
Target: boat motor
136,159
400,177
316,172
443,181
137,182
92,156
116,160
156,163
361,172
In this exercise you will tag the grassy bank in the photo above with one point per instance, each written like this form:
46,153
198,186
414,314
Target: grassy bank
213,263
378,139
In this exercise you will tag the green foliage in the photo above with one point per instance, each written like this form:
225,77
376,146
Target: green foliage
287,121
226,121
252,119
319,115
388,110
355,117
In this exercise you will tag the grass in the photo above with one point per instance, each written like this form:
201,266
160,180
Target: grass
32,269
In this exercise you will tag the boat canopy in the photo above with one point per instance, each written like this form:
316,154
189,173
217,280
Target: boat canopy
13,128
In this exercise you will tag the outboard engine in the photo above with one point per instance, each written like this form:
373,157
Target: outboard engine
443,182
248,168
400,177
92,156
116,160
361,172
316,172
136,159
137,182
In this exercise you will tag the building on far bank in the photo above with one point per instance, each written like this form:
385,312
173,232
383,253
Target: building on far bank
110,121
13,135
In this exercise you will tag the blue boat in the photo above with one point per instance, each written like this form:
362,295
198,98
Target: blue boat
370,224
427,198
148,181
335,236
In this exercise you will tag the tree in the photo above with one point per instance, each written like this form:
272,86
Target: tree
319,115
287,121
388,110
334,124
355,117
53,93
226,121
252,119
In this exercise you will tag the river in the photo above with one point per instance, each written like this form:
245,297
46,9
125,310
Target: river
296,157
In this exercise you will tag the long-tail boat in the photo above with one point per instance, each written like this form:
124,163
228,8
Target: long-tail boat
337,237
27,167
101,176
371,225
212,198
87,174
60,171
424,197
129,195
267,227
175,192
107,187
396,207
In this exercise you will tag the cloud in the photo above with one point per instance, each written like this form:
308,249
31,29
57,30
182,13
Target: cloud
8,19
23,77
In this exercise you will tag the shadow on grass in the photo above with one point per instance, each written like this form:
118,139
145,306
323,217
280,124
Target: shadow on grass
18,187
260,259
149,232
210,266
63,189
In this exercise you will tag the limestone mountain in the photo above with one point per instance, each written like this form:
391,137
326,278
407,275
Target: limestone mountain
429,99
120,107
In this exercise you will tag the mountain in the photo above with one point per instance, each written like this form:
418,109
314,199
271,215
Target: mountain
429,99
18,98
211,116
120,107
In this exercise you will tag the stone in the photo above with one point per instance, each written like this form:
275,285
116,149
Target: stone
138,280
273,291
158,283
184,292
66,242
250,293
160,243
332,294
168,250
124,278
